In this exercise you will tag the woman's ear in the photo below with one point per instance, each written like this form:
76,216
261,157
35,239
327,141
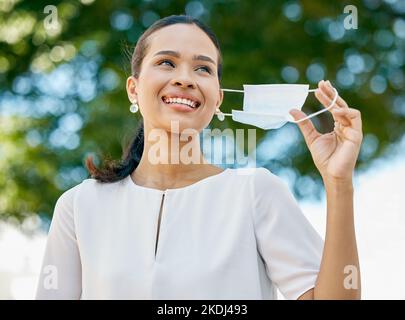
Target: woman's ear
131,89
221,98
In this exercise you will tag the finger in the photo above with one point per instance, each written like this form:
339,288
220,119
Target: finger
307,127
348,133
327,102
327,89
341,117
324,100
351,114
338,131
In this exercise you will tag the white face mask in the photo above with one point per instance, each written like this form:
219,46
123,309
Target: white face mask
267,106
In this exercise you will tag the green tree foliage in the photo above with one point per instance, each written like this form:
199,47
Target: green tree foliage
63,88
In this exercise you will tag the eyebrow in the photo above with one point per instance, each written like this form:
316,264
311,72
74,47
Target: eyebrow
177,55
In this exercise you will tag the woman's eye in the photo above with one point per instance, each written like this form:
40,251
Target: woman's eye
205,68
166,61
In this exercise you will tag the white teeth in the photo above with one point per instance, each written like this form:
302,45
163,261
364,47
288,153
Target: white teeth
187,102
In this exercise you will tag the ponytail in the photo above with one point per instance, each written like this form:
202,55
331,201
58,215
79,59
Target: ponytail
113,170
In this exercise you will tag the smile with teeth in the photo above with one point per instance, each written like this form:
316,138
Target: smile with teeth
187,102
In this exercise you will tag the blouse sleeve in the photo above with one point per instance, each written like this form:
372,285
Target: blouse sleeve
60,274
289,245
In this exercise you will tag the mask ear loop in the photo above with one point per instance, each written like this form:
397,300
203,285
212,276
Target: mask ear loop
232,90
318,112
290,116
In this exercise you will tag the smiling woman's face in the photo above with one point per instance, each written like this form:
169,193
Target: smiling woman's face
181,63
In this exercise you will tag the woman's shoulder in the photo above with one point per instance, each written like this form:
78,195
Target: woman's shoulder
263,182
87,189
260,176
264,176
260,181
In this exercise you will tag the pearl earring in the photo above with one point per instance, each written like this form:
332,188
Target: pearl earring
220,115
134,107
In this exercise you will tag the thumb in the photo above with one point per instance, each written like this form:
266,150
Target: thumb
297,114
307,127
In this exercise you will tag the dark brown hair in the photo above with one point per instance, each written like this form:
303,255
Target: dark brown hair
114,170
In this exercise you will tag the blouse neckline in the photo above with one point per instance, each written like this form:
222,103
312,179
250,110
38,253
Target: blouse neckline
171,190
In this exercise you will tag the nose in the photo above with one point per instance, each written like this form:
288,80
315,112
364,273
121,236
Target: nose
184,80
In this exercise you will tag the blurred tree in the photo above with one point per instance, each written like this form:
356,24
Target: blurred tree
62,81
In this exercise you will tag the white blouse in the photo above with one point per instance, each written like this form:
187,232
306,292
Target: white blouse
235,235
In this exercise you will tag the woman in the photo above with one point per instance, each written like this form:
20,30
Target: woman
145,228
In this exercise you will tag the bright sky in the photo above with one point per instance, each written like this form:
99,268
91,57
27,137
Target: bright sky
380,227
